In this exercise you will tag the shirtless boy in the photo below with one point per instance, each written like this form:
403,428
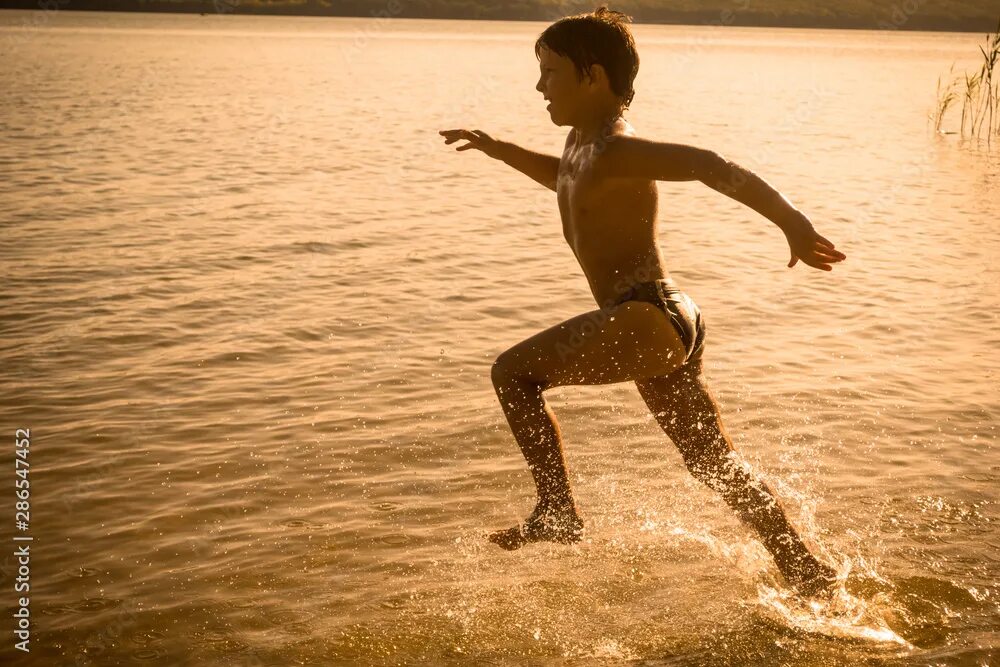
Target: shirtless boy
645,330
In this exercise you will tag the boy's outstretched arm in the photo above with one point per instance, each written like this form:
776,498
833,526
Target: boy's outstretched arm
541,168
632,157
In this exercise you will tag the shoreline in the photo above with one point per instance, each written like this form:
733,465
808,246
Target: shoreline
895,20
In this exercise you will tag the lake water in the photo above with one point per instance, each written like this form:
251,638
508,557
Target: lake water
251,301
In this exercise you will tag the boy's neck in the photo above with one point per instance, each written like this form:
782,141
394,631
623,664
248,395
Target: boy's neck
597,125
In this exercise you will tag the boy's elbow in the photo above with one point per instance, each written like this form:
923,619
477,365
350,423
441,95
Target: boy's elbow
710,167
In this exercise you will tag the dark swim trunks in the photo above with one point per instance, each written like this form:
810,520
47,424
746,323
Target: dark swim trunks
683,312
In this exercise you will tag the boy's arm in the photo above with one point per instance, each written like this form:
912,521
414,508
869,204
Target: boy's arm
631,157
541,168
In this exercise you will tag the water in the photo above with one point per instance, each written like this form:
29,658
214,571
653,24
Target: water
251,301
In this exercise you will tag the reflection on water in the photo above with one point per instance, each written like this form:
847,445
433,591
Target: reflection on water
251,303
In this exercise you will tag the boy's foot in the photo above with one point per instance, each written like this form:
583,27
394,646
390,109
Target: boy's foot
563,526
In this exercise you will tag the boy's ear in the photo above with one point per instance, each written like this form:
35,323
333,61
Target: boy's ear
597,73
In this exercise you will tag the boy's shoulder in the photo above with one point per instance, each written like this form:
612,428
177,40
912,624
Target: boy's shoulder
620,129
570,138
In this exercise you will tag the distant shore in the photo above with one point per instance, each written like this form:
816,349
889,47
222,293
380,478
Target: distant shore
847,14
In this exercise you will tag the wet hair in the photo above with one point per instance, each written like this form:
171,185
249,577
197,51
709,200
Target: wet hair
600,38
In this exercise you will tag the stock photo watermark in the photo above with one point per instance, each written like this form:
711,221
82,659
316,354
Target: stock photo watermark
372,27
22,539
900,15
598,318
39,18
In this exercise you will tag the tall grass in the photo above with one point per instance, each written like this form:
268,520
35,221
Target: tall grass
979,93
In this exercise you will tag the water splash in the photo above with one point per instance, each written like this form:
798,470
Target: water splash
841,615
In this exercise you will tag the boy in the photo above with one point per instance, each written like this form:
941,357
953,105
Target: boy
646,330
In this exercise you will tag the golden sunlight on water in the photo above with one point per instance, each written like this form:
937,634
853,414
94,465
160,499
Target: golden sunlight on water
251,304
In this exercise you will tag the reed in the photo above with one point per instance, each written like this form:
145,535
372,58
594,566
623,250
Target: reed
979,93
945,99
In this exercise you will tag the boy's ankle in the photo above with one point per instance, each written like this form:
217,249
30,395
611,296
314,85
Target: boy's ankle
553,506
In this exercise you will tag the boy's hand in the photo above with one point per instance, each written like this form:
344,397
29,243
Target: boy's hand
806,244
477,139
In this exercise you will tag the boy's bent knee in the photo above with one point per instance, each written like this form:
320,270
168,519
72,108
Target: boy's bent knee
507,371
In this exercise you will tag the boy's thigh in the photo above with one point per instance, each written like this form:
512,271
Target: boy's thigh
674,392
632,341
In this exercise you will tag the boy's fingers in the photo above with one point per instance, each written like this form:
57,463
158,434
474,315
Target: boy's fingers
832,254
825,247
832,248
451,136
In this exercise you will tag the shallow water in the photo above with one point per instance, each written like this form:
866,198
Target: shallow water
251,303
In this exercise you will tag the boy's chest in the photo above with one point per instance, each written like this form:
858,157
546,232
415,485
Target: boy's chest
581,198
576,185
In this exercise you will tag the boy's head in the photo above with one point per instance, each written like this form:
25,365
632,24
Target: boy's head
586,60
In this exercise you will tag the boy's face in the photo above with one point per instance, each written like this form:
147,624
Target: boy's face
559,83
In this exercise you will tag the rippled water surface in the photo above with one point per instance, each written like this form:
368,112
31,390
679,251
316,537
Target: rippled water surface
250,304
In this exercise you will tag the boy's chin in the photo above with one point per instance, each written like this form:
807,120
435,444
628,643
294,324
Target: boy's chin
560,119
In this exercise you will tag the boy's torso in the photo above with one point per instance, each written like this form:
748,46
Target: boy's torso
610,223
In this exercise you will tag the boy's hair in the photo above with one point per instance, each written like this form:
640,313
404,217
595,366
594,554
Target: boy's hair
601,38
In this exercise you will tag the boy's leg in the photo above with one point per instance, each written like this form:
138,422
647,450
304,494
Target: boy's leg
686,410
600,347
